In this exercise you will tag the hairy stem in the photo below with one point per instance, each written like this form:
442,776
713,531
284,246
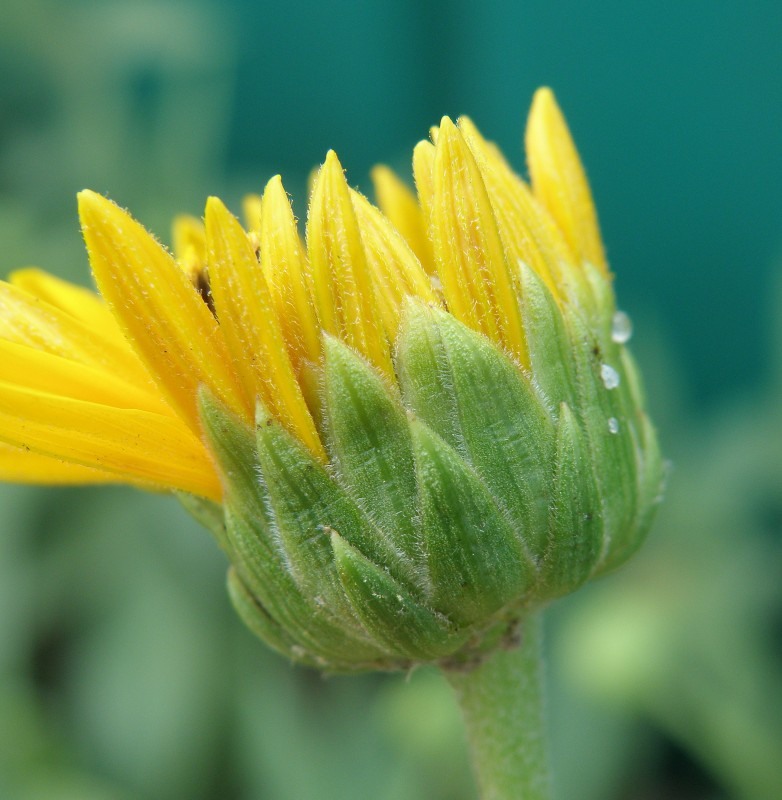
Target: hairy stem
502,705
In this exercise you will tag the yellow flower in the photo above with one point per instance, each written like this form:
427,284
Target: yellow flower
417,425
104,388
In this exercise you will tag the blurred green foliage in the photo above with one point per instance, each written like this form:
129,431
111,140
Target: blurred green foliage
123,672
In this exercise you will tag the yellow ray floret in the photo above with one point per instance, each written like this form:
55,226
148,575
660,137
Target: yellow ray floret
244,307
287,273
559,180
91,339
252,211
400,206
136,445
20,465
102,389
31,368
395,270
477,281
159,310
80,303
344,294
189,244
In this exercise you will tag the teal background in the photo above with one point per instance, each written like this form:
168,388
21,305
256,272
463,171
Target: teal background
123,673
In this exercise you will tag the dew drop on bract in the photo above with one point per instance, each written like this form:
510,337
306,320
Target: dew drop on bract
613,425
609,376
621,328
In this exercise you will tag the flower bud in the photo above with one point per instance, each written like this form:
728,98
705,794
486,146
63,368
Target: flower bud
407,434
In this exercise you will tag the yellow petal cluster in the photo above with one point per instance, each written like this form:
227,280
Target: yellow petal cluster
102,388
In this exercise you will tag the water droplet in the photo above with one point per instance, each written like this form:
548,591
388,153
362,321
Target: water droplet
613,425
609,376
621,328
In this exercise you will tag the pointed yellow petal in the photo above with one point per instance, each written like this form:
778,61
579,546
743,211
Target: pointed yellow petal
30,368
80,303
523,235
189,243
477,283
18,465
188,235
343,288
399,204
245,308
252,212
27,320
423,172
287,273
395,270
559,180
162,314
135,445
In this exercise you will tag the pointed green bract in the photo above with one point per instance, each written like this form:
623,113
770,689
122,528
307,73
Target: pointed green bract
508,434
390,611
608,435
424,376
576,518
369,442
307,505
548,345
259,559
497,420
259,622
651,479
476,562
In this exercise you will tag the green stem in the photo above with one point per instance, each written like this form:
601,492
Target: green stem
502,705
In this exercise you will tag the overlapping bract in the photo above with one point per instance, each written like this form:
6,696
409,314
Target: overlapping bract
400,430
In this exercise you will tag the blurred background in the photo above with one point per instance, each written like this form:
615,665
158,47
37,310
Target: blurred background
123,672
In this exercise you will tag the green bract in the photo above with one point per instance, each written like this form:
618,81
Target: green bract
454,502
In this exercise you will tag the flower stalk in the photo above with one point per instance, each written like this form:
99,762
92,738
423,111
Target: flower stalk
502,701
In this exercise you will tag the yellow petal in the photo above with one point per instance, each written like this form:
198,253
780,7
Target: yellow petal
287,273
520,219
252,212
25,319
80,303
477,283
135,445
189,244
559,180
423,172
244,306
18,465
30,368
399,204
171,328
343,288
396,271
